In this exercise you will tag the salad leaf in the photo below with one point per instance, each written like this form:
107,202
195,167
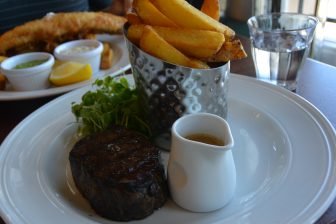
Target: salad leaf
112,102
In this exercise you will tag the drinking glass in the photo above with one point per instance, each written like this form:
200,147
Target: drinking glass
280,43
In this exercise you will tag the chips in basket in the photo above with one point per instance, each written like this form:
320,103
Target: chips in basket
179,33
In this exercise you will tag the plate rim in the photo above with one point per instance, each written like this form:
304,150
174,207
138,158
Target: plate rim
314,112
329,133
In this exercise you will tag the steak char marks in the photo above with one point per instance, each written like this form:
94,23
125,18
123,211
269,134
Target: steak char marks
120,173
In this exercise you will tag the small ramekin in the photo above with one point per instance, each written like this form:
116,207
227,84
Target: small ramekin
91,57
28,79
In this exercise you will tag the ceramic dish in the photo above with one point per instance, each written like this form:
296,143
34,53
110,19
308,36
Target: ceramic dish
120,64
28,71
278,136
82,51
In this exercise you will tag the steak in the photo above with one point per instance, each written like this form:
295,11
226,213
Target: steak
120,173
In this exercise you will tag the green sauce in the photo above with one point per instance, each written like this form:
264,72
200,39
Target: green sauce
29,64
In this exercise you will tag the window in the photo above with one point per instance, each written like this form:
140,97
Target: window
324,44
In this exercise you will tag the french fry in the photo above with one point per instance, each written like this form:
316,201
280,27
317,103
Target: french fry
179,33
197,52
185,15
2,81
2,58
134,33
2,77
133,18
192,42
195,63
106,56
151,15
152,43
231,50
211,8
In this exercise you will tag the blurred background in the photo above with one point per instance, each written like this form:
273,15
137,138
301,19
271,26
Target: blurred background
236,12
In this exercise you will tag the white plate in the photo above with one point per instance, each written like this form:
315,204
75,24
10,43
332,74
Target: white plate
120,64
284,153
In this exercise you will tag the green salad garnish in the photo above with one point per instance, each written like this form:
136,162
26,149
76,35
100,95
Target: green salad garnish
112,102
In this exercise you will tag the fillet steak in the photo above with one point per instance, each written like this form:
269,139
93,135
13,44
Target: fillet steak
120,173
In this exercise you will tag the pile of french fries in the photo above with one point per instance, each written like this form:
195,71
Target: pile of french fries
179,33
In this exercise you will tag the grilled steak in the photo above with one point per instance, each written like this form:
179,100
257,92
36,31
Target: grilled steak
120,173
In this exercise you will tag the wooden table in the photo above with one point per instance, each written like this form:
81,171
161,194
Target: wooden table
317,85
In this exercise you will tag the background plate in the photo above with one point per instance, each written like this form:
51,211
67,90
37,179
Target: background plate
120,64
284,153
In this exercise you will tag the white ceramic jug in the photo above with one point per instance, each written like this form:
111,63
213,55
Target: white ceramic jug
201,176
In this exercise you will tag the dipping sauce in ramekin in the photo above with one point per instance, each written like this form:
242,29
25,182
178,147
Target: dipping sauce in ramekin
29,71
82,51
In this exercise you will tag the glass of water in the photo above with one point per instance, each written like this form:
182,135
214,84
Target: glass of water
280,44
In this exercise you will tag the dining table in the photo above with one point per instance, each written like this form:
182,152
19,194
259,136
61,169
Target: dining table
316,84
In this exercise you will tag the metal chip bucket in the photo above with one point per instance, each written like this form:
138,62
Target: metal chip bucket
169,91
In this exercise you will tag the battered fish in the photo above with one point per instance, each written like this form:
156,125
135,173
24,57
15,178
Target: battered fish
46,33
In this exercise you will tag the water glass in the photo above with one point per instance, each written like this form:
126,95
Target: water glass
280,43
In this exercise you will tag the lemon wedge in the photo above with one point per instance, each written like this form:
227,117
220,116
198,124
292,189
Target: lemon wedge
70,72
58,63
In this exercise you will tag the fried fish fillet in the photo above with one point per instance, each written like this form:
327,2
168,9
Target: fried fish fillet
46,33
